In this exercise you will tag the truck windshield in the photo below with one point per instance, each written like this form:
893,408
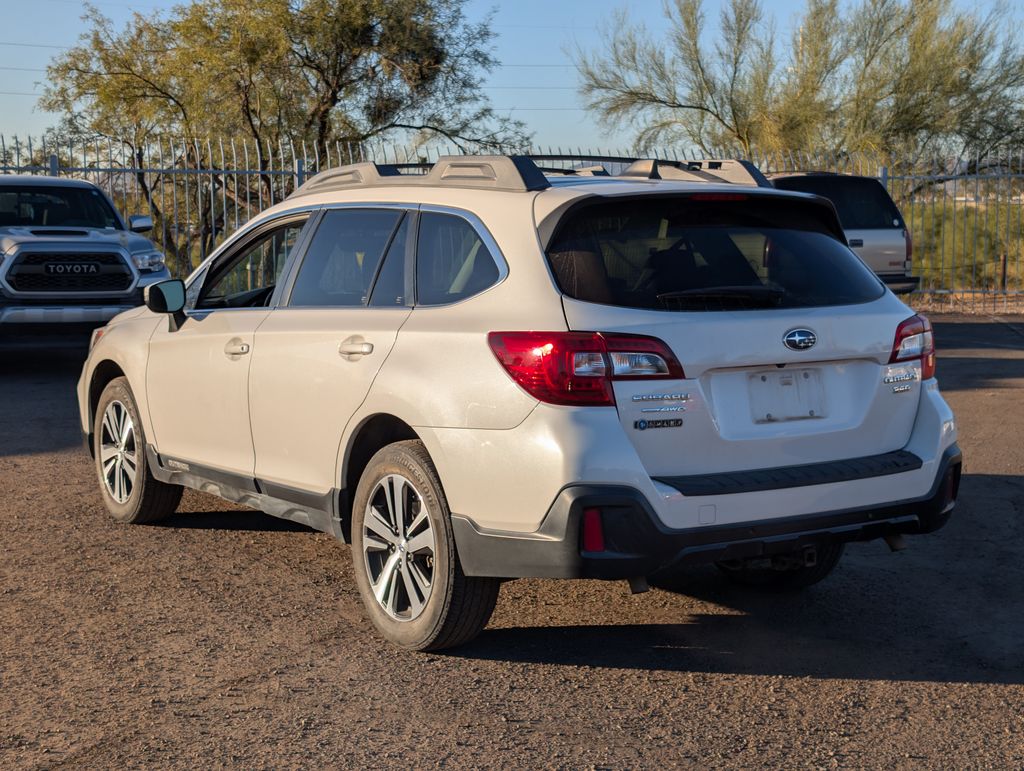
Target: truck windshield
55,206
706,253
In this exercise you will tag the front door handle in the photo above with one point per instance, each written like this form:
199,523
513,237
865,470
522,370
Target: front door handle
855,242
354,347
236,348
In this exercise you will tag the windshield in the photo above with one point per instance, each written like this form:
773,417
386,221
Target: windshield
685,253
55,206
861,203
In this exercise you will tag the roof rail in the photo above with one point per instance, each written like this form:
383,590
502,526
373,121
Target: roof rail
737,172
515,173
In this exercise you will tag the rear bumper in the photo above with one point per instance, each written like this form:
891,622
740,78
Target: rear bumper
637,544
901,284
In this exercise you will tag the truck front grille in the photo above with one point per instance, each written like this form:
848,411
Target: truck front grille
69,272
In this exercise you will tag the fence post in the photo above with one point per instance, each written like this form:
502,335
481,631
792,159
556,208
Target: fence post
884,177
54,166
300,172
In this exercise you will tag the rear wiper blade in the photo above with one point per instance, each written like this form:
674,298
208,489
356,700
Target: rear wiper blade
740,291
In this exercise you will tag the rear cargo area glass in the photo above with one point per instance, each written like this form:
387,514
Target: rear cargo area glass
706,253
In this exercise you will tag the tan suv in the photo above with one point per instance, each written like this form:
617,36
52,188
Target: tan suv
487,372
874,226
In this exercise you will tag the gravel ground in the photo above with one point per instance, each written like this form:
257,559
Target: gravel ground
227,638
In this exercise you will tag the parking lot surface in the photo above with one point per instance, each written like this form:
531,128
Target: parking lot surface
225,637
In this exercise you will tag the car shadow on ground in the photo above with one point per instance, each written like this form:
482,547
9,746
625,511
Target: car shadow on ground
948,609
241,520
38,408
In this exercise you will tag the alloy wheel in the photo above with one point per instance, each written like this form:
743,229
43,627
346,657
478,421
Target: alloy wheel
398,547
118,452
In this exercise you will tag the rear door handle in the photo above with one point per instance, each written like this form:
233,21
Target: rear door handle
355,346
236,348
856,242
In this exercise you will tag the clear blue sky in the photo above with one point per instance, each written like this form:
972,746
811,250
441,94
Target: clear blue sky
536,81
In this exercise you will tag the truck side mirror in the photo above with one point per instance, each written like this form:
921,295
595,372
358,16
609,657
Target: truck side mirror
140,223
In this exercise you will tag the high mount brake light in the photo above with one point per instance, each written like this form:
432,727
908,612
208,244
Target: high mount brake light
577,368
718,197
915,341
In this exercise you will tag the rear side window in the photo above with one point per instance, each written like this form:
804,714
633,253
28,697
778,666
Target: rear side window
452,261
341,262
862,203
696,253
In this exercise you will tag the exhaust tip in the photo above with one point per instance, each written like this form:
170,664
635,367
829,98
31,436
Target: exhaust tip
638,585
895,542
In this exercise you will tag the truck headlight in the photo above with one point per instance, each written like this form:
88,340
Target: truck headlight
153,260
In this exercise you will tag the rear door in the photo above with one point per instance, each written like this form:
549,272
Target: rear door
725,283
317,355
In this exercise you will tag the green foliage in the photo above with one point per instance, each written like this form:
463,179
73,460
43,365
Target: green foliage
306,70
965,245
895,77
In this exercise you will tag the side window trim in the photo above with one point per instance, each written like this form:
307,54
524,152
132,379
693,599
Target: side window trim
243,241
481,230
284,299
283,290
409,220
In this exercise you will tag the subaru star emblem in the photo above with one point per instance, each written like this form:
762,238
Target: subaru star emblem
799,339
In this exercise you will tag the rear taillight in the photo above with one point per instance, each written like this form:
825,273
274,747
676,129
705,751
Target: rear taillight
577,368
909,239
915,341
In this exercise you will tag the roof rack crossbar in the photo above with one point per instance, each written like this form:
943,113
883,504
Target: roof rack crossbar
584,157
521,173
515,173
734,171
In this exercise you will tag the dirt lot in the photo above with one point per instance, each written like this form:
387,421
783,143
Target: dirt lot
224,637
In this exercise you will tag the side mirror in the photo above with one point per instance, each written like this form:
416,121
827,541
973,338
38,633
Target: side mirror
167,297
140,223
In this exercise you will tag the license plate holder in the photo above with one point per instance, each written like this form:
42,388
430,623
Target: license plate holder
786,394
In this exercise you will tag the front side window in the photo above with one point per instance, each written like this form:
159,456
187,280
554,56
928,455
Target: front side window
706,253
342,261
452,261
246,278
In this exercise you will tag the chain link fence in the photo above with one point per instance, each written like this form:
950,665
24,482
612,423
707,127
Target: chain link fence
966,215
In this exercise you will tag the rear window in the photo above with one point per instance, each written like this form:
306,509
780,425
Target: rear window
685,253
861,202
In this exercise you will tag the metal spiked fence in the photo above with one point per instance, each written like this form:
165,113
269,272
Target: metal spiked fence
966,215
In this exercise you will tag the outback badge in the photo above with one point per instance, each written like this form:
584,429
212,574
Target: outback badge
643,425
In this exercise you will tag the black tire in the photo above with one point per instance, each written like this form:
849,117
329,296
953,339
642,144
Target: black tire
456,607
148,499
789,579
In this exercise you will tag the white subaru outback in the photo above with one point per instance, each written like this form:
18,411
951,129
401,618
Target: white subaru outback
488,371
